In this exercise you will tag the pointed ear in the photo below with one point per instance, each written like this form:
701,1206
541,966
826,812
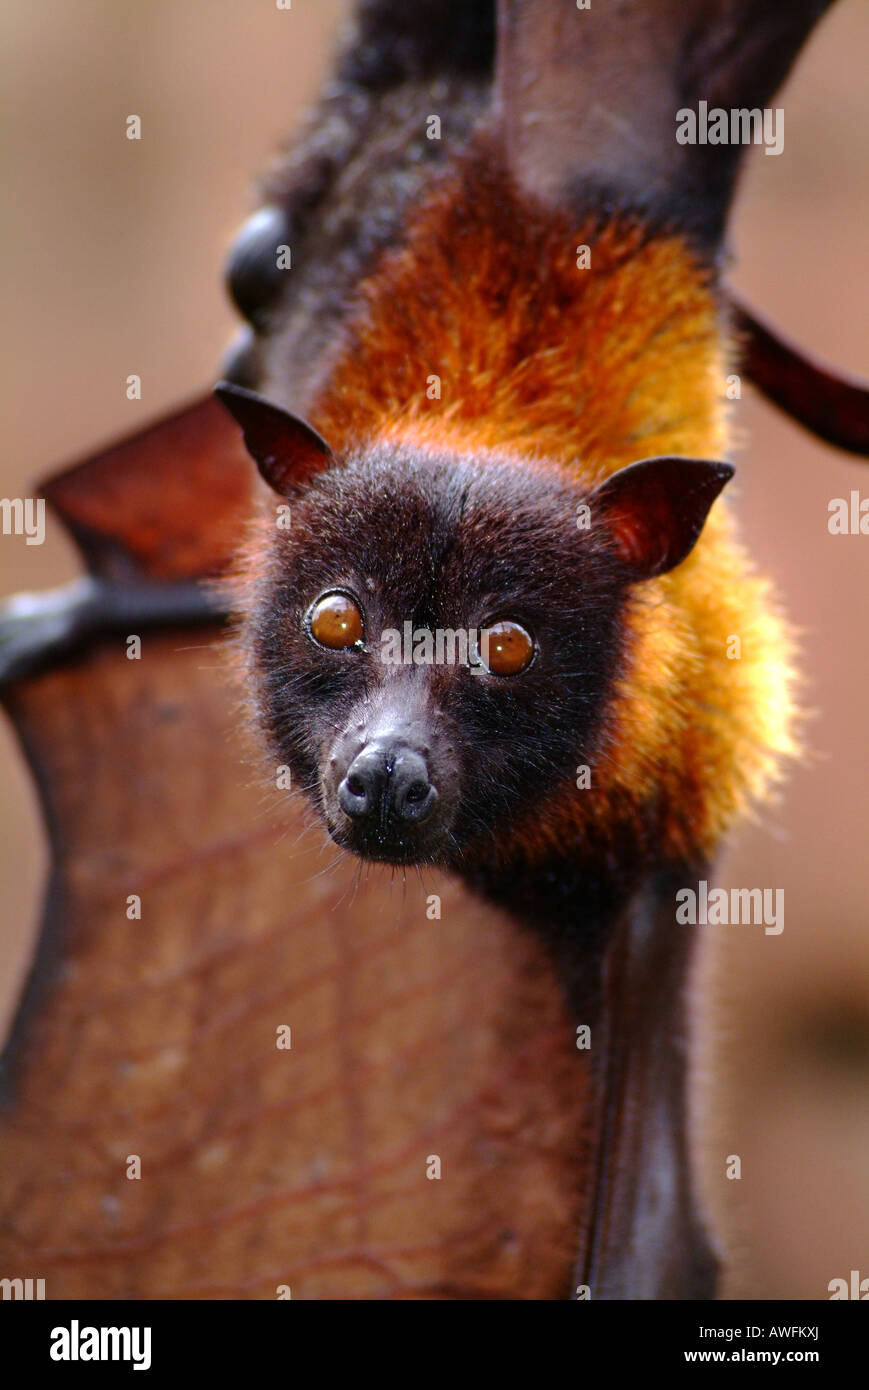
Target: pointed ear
656,509
285,449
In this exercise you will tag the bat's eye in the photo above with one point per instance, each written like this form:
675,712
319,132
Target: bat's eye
335,621
507,649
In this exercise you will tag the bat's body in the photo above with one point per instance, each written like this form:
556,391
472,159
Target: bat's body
454,511
511,348
482,381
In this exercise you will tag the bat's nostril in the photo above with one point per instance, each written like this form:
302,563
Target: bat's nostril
358,794
413,796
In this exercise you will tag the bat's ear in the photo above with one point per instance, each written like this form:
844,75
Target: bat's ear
286,450
655,510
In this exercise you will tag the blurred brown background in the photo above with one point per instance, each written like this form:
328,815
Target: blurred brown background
112,254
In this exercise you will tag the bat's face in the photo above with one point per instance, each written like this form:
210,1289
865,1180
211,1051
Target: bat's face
434,639
433,644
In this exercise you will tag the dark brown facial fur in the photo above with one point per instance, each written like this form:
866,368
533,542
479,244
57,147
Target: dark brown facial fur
440,544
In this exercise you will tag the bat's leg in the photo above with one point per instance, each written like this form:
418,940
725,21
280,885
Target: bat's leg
35,629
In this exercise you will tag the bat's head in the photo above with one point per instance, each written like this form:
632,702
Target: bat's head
434,639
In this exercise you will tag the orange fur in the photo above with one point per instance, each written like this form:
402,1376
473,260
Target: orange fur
587,370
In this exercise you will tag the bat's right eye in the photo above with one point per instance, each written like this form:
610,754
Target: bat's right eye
335,621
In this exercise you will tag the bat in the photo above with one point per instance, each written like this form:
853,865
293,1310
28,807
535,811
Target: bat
468,431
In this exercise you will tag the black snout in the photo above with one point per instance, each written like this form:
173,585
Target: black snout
387,783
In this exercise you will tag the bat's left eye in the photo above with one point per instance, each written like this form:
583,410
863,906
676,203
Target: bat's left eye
335,621
507,649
